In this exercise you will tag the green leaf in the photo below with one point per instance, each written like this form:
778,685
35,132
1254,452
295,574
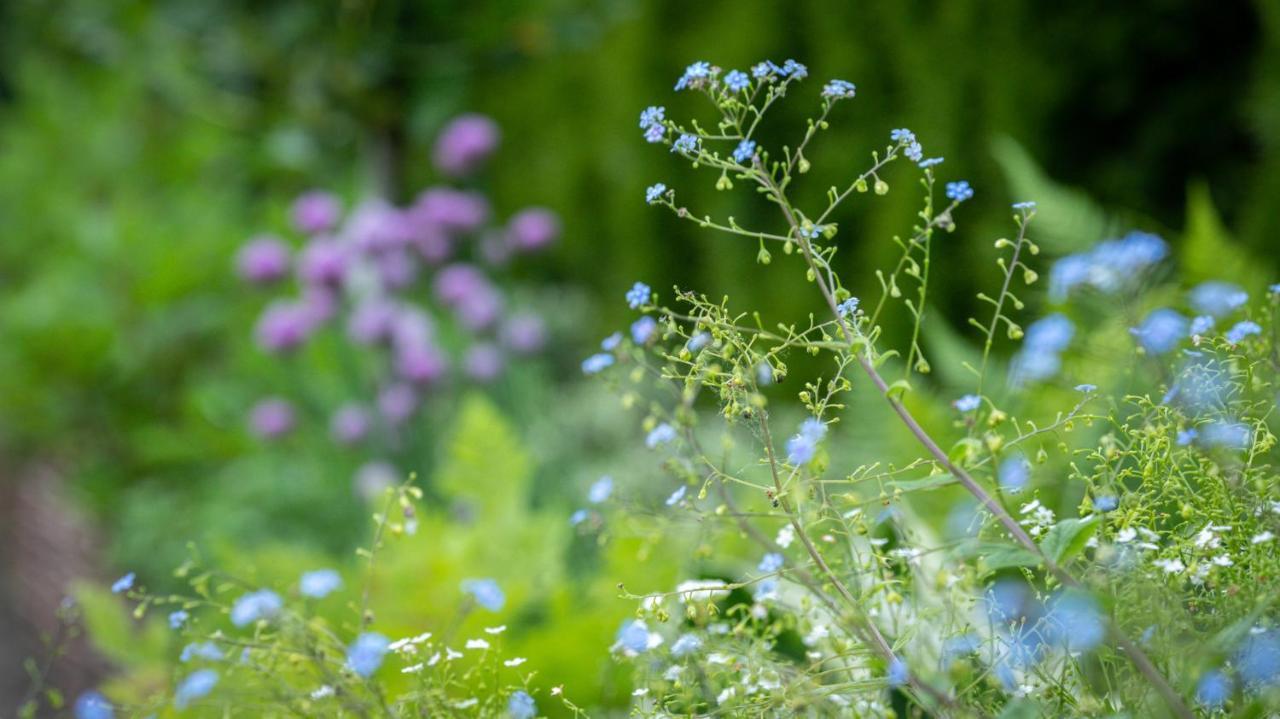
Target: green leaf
1208,250
1067,538
1067,219
997,555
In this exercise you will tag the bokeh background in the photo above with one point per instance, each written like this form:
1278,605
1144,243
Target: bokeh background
141,143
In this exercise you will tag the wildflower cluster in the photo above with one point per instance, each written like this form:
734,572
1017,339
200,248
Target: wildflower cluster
292,651
1074,557
364,277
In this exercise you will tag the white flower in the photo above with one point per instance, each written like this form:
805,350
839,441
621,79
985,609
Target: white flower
413,669
477,644
1260,537
496,630
717,658
787,535
466,703
1031,506
514,662
1171,566
726,695
1128,534
701,590
1222,560
322,692
673,672
434,659
450,655
639,692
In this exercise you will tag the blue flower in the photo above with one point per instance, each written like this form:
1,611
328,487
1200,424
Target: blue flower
686,644
320,583
577,517
1075,622
848,308
654,193
365,654
1109,266
638,295
770,562
1051,333
698,341
201,650
967,403
1028,205
249,608
839,90
898,673
655,133
744,150
693,74
123,584
676,496
92,705
914,152
661,434
1014,473
902,136
486,592
1106,503
794,70
766,589
596,363
1187,436
1161,331
765,70
652,115
959,190
1202,325
634,636
1258,660
1274,289
685,143
764,374
926,164
521,706
1243,329
178,618
804,444
1213,689
1087,388
1217,298
600,490
610,343
1231,435
197,685
737,81
643,330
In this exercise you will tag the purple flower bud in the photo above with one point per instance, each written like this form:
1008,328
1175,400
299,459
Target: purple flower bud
455,283
377,226
397,269
372,321
420,364
524,333
532,229
412,327
480,310
397,402
271,418
283,326
323,262
315,212
483,362
464,144
263,260
433,243
350,424
451,210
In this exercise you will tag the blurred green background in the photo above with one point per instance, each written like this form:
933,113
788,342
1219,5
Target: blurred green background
142,142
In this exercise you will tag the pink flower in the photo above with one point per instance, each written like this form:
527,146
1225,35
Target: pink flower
271,418
533,229
464,144
316,211
263,260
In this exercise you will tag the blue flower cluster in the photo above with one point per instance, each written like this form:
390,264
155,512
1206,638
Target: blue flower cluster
651,121
365,654
744,151
486,592
694,75
1109,266
839,90
959,191
654,193
737,81
686,143
1041,355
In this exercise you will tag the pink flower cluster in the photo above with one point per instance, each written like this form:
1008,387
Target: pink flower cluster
362,274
